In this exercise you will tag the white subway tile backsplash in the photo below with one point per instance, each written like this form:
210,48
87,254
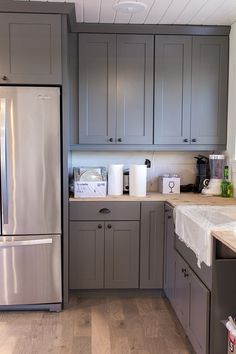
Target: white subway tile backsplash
182,163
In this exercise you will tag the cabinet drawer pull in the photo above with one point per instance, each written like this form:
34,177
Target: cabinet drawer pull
169,217
104,211
186,275
111,140
100,226
194,140
185,140
4,78
183,270
109,226
119,140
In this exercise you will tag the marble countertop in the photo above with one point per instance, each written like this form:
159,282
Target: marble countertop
227,237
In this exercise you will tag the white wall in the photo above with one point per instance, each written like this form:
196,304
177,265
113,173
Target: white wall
182,163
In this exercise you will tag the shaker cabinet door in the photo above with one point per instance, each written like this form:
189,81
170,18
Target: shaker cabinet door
172,89
169,256
151,246
86,255
198,321
209,90
181,290
97,89
135,89
121,254
30,49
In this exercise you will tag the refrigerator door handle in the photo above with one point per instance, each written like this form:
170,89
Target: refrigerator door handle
4,244
4,166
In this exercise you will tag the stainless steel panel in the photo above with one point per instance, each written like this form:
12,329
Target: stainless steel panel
30,273
32,190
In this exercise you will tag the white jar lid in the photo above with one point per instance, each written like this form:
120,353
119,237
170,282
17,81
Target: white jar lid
216,157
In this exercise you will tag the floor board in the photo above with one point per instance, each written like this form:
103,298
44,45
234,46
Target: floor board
109,325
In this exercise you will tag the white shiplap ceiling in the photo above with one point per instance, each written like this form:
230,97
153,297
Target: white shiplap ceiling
191,12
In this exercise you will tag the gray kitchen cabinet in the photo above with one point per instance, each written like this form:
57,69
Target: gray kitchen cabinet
172,89
135,89
169,255
192,305
209,90
122,254
115,89
104,245
198,314
30,49
86,255
152,245
97,88
191,78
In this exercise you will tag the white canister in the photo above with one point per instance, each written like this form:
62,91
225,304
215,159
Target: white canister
138,180
115,179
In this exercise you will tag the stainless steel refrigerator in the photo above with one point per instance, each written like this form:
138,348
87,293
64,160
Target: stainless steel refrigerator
30,240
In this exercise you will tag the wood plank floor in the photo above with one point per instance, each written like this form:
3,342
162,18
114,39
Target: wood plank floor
108,325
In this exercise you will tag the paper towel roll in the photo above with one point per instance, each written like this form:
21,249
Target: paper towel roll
138,180
115,179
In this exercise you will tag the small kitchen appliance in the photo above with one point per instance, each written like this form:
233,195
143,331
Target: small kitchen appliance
213,186
126,181
203,172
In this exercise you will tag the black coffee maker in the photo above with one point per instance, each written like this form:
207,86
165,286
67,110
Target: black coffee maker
203,172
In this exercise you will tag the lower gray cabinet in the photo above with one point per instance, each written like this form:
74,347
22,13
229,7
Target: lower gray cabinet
169,255
151,246
86,255
122,254
104,254
192,305
198,317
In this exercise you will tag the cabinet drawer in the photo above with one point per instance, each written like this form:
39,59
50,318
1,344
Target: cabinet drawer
104,210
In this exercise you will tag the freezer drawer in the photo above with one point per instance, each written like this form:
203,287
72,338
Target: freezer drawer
30,270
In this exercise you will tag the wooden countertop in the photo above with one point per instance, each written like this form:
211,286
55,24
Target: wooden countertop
174,200
227,237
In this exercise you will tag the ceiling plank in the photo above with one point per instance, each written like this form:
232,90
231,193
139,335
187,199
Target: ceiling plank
141,16
91,10
205,11
190,11
173,11
107,14
157,11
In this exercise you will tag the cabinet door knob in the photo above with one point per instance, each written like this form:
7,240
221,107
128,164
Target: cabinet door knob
111,140
169,217
119,140
186,275
100,226
4,78
109,226
194,140
185,140
104,211
183,270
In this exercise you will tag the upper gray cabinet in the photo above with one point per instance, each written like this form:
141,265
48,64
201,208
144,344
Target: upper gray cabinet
172,89
30,49
115,89
191,90
209,90
97,88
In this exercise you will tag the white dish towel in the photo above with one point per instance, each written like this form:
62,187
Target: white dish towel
194,224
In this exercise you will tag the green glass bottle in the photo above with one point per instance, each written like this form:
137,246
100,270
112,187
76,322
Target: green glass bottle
226,185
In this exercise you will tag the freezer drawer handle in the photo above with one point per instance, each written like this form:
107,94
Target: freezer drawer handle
4,171
43,241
